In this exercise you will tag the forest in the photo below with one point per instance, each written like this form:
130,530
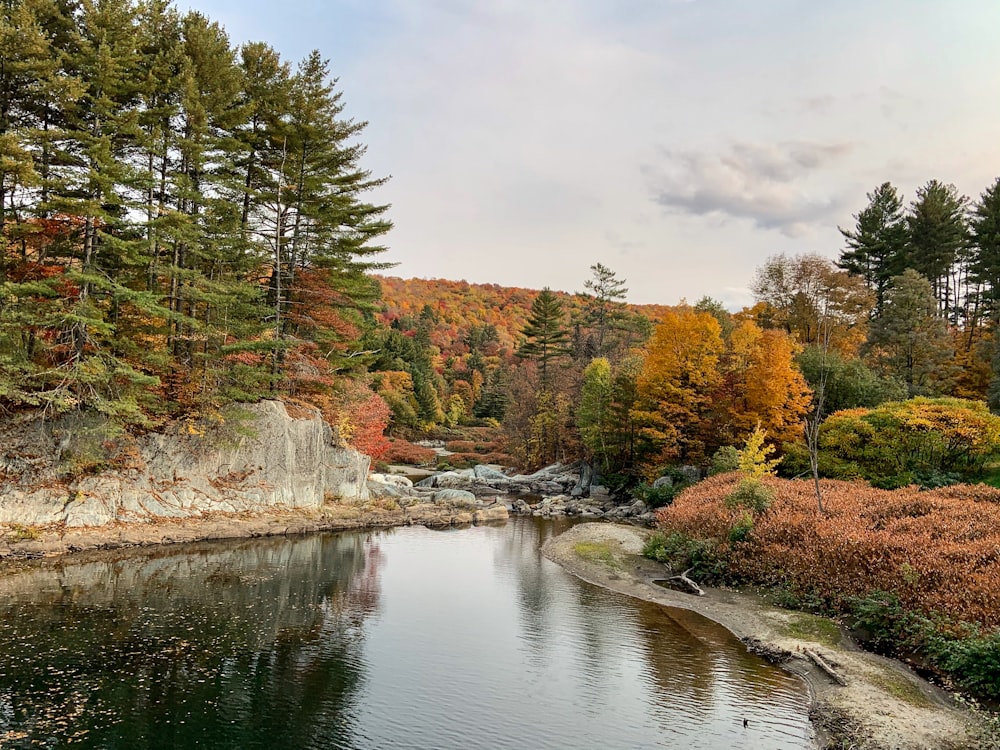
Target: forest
183,222
186,224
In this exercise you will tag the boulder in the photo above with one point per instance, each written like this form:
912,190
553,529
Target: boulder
663,482
395,480
489,473
455,498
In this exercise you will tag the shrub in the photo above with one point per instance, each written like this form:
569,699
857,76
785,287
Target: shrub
405,452
726,459
751,495
741,530
918,571
898,438
974,660
656,497
681,552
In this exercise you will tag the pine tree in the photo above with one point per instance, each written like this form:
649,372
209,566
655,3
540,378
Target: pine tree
605,309
937,240
877,245
984,231
910,340
545,334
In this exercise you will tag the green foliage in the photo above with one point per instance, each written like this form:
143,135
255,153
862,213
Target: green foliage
191,229
909,341
545,335
850,383
973,658
964,652
919,440
681,552
657,497
726,459
795,464
937,236
751,495
877,244
742,529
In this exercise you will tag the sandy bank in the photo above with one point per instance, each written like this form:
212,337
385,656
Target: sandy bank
882,706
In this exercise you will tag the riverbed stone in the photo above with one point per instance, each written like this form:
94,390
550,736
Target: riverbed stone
455,498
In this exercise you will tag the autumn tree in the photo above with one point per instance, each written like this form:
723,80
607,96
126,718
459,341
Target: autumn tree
759,386
675,387
810,298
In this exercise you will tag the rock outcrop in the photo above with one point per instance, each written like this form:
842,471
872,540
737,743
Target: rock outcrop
274,460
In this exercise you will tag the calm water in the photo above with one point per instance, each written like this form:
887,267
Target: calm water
401,639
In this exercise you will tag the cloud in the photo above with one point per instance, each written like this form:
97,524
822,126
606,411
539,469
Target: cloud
766,184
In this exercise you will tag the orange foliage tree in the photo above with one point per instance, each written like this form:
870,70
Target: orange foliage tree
675,385
759,385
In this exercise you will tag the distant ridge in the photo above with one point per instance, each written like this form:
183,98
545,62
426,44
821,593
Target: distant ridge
459,305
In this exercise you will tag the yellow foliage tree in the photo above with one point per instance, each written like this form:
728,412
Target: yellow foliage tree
675,386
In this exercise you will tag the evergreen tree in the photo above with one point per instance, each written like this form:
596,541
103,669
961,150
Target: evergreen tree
876,246
984,230
545,334
605,307
937,241
910,340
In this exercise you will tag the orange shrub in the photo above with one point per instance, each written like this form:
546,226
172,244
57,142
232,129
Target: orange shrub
938,551
404,452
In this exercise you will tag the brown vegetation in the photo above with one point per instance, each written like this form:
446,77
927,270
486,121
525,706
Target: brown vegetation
938,551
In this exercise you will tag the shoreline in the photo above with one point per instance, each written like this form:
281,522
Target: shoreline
883,706
21,544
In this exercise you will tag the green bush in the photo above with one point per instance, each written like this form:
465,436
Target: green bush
973,660
751,495
742,529
657,497
795,464
921,436
681,552
726,459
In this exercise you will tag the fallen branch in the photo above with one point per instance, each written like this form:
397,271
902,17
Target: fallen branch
830,671
693,587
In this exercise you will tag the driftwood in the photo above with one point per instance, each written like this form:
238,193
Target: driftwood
683,579
830,671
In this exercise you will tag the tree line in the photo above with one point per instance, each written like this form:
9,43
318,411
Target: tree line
183,222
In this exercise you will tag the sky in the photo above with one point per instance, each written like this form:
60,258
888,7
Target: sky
679,142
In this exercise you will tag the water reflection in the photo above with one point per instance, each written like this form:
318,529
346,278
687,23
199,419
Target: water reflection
408,639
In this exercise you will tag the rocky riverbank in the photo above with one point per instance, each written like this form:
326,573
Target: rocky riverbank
557,490
881,705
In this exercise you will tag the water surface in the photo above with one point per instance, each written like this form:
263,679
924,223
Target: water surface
408,638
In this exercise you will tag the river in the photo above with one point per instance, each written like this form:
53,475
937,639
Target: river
407,638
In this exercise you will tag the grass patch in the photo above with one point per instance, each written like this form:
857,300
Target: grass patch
813,628
596,552
901,688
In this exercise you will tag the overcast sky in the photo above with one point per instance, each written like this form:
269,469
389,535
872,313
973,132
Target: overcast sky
678,142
